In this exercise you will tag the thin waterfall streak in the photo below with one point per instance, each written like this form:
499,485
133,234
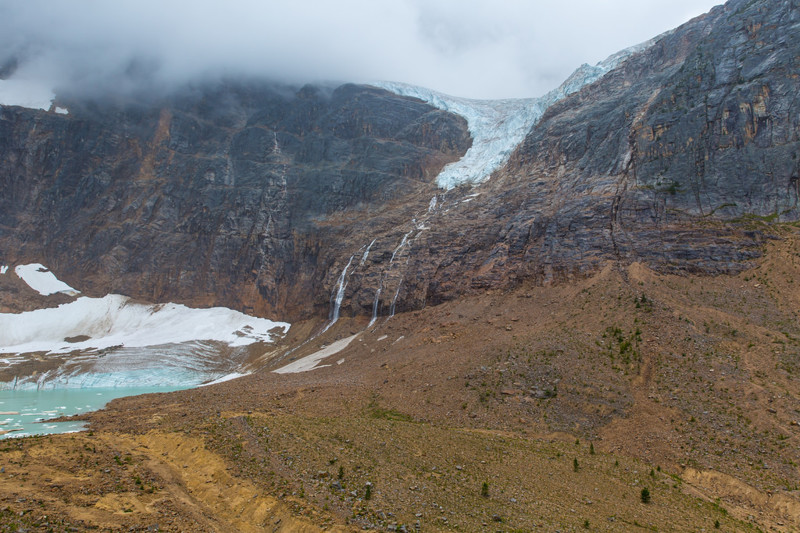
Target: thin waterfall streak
394,300
366,254
402,243
376,303
338,296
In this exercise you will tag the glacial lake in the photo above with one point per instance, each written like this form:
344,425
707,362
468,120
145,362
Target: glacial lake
26,412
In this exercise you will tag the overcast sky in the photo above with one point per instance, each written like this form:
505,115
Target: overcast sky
473,48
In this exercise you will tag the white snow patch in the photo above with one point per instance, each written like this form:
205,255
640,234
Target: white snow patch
115,320
223,379
40,279
3,269
62,110
499,126
26,93
309,362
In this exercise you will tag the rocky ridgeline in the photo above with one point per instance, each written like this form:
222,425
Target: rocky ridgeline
299,202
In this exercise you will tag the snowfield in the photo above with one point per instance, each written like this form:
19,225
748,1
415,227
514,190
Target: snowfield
40,279
26,93
114,321
309,362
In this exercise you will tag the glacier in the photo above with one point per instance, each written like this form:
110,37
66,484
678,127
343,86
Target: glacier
116,320
177,366
499,126
115,342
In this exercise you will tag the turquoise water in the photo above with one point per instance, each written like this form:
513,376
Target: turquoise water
25,412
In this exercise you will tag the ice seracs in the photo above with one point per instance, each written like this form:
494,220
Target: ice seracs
499,126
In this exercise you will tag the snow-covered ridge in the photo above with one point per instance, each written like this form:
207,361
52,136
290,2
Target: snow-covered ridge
40,279
499,126
116,321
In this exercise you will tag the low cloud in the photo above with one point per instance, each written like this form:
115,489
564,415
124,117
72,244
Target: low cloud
509,48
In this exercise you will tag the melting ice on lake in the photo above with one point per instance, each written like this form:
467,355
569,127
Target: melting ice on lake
55,360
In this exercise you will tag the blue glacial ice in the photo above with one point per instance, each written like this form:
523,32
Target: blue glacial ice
499,126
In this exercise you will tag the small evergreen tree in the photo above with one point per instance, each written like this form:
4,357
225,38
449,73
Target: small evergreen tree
591,448
575,465
645,495
485,489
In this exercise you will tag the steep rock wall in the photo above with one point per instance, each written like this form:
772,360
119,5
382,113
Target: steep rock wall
219,195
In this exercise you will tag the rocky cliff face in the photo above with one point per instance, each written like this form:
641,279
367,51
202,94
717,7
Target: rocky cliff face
669,159
218,195
280,201
700,128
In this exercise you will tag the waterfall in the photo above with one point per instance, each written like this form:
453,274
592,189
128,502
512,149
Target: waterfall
376,303
400,246
341,286
366,254
338,296
394,300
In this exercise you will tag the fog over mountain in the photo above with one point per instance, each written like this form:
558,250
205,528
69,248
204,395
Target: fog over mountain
511,48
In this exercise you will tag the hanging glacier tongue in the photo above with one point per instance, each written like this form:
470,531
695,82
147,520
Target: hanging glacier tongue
499,126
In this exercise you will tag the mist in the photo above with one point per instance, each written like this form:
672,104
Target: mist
502,49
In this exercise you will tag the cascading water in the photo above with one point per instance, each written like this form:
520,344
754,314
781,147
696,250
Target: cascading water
376,303
394,300
338,296
400,246
366,253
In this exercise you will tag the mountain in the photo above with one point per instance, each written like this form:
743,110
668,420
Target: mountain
256,197
504,313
